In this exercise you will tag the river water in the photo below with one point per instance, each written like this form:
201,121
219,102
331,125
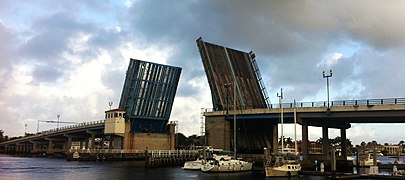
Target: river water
50,168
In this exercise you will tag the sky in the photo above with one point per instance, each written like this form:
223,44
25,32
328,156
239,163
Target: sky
70,57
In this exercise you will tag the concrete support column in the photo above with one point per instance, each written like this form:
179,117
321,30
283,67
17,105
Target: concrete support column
275,139
25,148
325,142
34,147
86,143
304,145
102,143
344,144
17,148
93,139
50,145
68,143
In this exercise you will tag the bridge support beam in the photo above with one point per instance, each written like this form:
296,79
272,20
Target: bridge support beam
275,139
93,141
306,163
68,144
325,142
344,143
50,145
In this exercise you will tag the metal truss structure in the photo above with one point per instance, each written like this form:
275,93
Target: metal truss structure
232,76
148,95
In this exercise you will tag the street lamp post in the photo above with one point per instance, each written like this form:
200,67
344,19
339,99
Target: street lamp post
281,117
57,126
327,82
110,104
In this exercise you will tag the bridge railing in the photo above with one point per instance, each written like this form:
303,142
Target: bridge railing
152,153
61,129
75,126
364,102
106,151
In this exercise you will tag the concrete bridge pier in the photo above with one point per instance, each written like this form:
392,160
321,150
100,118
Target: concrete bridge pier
325,156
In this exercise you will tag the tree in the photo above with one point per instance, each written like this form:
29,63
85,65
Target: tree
1,135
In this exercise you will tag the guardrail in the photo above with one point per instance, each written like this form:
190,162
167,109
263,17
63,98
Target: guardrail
365,102
106,151
152,153
58,130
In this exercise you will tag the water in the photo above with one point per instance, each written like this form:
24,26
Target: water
48,168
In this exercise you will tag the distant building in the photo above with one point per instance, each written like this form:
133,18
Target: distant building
393,150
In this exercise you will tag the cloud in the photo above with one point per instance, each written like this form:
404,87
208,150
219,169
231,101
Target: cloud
71,57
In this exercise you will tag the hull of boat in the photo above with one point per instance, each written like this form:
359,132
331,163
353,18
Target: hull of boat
227,167
270,172
281,171
192,165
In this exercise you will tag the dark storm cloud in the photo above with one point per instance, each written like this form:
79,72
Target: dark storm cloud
51,39
290,38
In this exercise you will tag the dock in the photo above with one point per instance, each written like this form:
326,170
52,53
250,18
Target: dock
152,158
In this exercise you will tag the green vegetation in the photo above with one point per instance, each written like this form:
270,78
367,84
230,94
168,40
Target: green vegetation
2,137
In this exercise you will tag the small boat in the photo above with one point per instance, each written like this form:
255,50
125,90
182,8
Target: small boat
76,155
279,165
226,165
215,154
368,160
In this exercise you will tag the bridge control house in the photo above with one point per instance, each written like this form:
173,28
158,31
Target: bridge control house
121,136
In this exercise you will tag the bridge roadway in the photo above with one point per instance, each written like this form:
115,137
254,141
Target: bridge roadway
56,140
261,124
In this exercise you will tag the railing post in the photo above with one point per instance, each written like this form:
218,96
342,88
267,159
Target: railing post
382,101
395,100
344,103
312,104
368,102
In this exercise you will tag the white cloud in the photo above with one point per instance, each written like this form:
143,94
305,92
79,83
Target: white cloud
330,60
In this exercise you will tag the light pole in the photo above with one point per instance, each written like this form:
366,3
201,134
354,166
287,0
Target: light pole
57,126
25,132
110,104
281,118
327,82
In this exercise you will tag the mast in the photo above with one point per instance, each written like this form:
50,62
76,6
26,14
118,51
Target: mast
295,128
234,119
282,119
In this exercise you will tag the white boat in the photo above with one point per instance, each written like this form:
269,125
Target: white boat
214,154
279,166
231,165
368,160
